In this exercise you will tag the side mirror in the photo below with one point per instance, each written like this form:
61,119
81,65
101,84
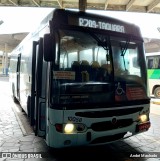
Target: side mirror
49,48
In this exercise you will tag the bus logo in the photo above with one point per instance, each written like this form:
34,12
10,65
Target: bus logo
114,121
74,119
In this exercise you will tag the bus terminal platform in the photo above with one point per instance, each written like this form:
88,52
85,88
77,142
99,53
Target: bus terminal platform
16,136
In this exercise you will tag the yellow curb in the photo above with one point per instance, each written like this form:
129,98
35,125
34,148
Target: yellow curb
157,103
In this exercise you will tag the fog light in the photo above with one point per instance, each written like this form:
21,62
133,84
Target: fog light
67,142
143,118
69,128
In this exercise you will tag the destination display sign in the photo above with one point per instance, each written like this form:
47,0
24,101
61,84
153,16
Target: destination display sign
101,25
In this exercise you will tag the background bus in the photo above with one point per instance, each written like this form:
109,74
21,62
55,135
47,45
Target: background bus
73,78
153,65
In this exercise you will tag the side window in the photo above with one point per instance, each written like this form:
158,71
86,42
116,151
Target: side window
56,48
159,63
71,58
135,62
100,56
86,55
153,62
156,62
63,61
66,60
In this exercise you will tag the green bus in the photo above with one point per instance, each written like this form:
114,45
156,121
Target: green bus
153,65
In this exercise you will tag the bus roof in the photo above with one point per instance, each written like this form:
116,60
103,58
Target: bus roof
85,19
90,20
152,54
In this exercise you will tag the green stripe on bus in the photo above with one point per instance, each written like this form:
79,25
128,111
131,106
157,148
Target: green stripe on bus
153,73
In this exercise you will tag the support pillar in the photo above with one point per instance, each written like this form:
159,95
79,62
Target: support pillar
82,5
5,61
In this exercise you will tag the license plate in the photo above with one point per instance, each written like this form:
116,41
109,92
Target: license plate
143,127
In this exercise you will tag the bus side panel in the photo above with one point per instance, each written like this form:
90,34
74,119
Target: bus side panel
12,76
153,65
25,75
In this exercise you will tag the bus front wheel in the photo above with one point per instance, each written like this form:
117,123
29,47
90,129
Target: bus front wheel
157,92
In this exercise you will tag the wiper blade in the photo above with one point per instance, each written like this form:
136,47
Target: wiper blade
124,48
104,44
123,51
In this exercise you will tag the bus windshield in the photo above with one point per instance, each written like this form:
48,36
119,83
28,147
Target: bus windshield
89,66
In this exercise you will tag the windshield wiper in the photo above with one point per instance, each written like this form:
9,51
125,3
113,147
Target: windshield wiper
123,51
124,48
105,44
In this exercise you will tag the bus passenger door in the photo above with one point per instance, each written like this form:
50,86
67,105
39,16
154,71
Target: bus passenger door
31,99
40,110
18,76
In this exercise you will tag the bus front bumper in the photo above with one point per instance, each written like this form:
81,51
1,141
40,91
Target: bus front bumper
90,137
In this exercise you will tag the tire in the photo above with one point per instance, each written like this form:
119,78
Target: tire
157,92
28,106
30,115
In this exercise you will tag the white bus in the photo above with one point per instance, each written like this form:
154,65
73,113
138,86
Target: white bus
153,70
73,79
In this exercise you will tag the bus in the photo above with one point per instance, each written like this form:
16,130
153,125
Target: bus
153,66
72,77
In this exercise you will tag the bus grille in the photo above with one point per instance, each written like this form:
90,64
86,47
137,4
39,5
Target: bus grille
109,113
108,125
106,139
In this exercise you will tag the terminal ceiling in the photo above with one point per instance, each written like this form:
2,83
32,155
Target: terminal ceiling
143,6
149,6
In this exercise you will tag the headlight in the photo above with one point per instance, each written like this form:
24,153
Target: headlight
69,128
74,128
143,118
